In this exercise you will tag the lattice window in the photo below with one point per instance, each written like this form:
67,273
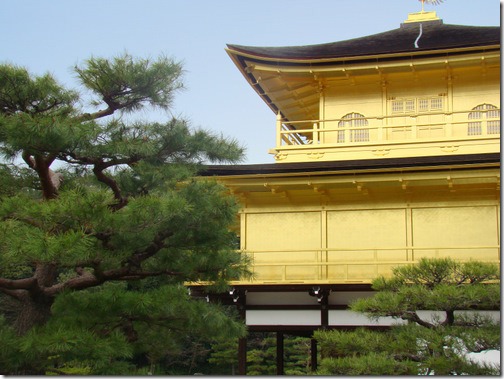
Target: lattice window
409,106
397,106
403,106
436,103
353,120
484,114
421,104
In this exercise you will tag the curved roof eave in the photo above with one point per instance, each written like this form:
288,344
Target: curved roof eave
407,39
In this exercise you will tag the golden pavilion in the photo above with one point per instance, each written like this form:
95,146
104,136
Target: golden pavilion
387,150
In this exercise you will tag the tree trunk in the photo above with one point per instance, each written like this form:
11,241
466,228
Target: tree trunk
32,312
35,305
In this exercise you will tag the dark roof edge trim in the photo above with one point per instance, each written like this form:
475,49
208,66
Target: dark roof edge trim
404,55
363,164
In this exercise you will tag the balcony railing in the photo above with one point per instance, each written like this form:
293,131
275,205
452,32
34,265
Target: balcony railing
399,128
352,265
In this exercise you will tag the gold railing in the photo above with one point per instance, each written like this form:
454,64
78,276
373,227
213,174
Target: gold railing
344,265
398,128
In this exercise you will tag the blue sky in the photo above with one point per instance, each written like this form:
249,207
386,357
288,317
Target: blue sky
54,35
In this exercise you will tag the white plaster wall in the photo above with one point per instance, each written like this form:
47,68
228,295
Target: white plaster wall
340,317
349,318
288,317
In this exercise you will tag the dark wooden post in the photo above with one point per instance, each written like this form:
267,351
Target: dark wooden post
324,309
313,351
280,353
242,356
241,303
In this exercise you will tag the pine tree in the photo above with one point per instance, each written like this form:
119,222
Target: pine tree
101,221
434,342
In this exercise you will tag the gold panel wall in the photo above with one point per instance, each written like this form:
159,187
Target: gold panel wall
449,231
327,245
277,238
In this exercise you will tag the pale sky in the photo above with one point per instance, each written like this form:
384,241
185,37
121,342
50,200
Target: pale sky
54,35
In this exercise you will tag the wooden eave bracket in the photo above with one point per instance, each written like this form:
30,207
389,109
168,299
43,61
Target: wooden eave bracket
276,190
404,183
360,188
318,188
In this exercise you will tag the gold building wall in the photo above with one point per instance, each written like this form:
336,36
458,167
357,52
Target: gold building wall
458,91
425,109
341,238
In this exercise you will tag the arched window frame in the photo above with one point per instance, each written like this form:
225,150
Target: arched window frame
484,115
353,120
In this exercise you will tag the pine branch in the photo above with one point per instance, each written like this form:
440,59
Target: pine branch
89,280
17,294
131,269
99,166
112,184
148,274
41,165
96,115
411,357
157,244
17,284
43,279
413,316
25,220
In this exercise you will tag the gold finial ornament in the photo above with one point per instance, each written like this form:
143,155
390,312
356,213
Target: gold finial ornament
423,15
433,2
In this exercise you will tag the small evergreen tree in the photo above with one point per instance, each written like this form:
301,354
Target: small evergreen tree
297,351
223,357
261,355
434,342
101,222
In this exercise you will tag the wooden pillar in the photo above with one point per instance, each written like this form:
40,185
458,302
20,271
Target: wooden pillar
280,353
313,351
242,356
241,303
324,309
279,129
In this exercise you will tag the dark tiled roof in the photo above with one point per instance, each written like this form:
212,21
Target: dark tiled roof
435,35
363,164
